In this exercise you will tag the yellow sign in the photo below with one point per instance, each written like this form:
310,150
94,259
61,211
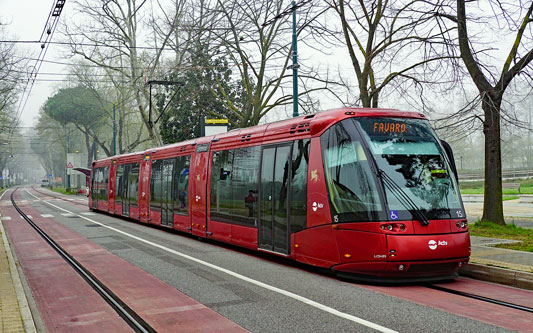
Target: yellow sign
216,121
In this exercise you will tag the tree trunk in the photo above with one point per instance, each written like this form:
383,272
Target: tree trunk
89,148
493,206
363,94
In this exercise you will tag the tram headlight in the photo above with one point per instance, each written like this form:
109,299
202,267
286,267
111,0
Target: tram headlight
394,227
461,225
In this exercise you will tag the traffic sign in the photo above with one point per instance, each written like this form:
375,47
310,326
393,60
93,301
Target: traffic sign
69,165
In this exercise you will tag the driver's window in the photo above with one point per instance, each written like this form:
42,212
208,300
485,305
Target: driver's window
351,185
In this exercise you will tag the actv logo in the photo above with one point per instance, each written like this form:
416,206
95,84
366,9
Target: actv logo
433,244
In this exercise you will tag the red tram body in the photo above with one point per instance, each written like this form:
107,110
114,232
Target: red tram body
368,193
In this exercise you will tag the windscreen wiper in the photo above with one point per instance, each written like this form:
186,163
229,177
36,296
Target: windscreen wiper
403,197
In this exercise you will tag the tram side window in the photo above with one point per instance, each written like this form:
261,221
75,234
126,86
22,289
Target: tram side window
156,184
180,194
245,184
221,184
105,183
100,183
166,186
351,186
133,183
234,185
298,193
119,190
95,194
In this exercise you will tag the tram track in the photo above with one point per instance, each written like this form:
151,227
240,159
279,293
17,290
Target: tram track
482,298
124,311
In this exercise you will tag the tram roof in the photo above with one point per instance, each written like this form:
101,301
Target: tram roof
301,127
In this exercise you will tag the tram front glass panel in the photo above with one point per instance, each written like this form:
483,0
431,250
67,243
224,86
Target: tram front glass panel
409,153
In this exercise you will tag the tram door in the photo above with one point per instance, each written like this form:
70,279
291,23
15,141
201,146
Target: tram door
198,186
112,187
95,191
167,209
274,204
130,188
124,181
123,174
144,189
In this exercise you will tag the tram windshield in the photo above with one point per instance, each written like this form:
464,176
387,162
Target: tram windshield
407,154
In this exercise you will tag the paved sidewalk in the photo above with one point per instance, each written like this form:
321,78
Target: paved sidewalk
501,265
514,211
484,253
14,311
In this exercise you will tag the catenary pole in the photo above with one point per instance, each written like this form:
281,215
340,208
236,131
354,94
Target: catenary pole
294,64
114,132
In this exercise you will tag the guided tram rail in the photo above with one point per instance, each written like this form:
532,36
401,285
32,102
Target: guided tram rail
368,193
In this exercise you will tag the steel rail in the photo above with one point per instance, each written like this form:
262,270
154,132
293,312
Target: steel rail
124,311
482,298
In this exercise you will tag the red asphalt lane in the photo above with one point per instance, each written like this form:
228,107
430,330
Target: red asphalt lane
471,308
64,300
160,305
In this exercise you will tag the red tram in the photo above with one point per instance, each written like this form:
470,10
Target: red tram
368,193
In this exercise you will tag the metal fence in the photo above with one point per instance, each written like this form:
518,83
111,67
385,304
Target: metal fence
480,176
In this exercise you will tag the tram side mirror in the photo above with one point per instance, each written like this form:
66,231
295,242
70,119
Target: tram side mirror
449,153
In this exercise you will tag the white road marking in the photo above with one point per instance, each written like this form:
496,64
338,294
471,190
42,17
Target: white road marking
87,213
5,218
302,299
67,214
47,215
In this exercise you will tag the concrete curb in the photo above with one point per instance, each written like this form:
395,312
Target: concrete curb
518,279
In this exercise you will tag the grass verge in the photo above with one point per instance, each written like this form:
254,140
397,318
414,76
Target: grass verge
508,231
62,190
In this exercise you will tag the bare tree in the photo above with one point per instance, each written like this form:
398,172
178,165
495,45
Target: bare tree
112,39
10,80
10,75
50,145
394,45
516,18
260,54
112,91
